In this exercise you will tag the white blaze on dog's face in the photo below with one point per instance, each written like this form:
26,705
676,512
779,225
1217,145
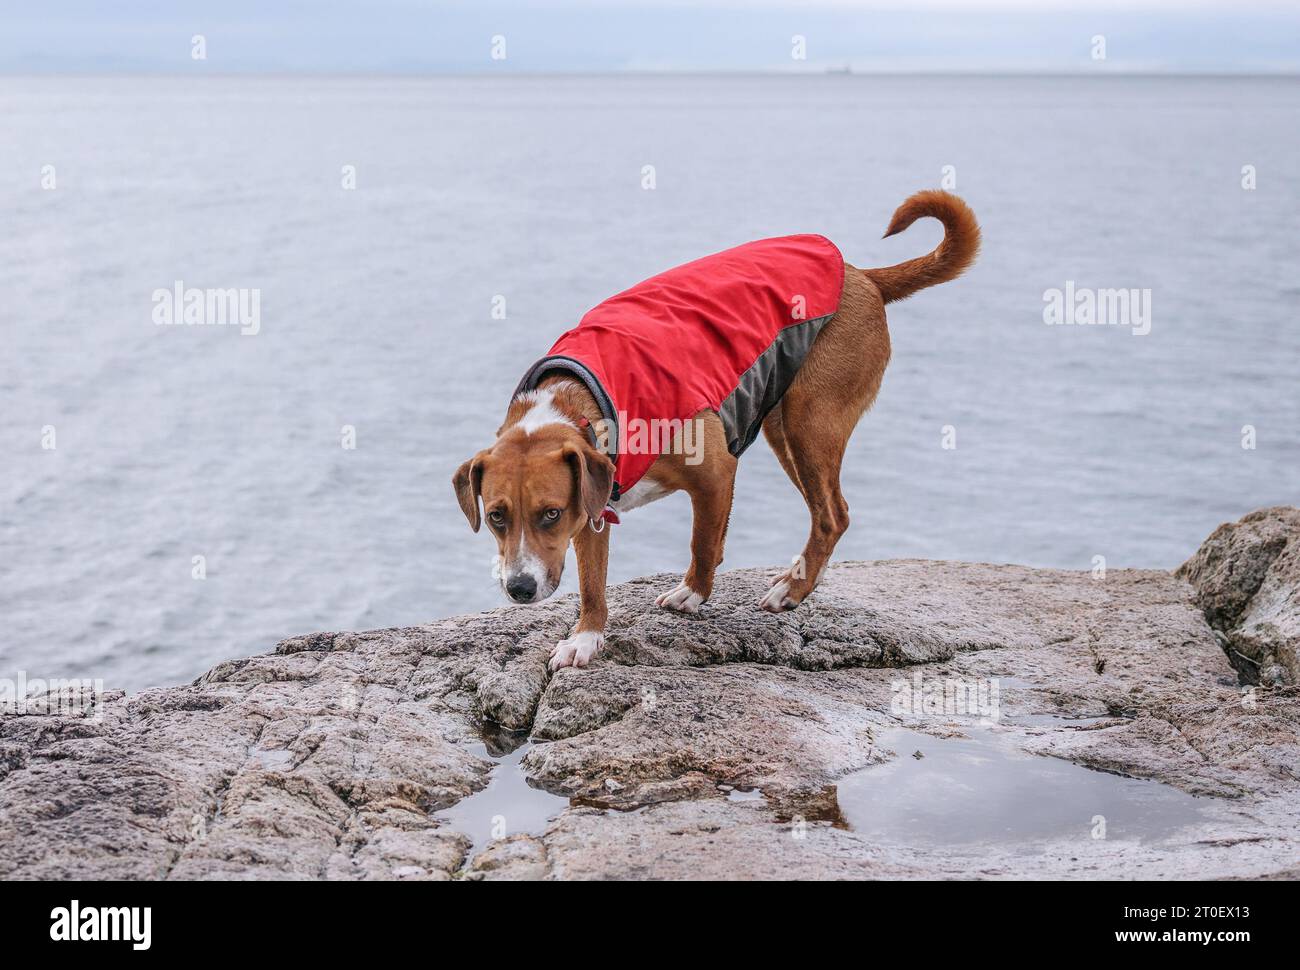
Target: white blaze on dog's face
538,488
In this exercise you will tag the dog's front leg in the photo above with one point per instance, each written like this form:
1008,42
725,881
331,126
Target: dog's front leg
588,637
711,509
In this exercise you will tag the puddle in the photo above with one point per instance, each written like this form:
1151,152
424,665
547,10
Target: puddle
272,759
509,805
981,789
1016,683
978,789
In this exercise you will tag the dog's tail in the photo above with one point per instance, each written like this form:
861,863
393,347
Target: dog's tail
961,241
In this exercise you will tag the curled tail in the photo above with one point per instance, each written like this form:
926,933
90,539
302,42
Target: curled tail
961,241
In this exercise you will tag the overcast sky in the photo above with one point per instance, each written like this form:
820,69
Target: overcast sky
440,36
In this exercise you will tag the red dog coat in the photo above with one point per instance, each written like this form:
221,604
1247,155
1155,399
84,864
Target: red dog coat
726,333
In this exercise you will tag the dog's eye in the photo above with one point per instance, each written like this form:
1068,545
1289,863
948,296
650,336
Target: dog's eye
497,517
550,515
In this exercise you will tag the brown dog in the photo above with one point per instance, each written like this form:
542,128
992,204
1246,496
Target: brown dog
546,481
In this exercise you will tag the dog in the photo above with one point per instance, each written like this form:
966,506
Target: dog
779,334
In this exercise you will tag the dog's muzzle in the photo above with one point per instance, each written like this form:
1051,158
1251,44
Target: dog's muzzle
522,588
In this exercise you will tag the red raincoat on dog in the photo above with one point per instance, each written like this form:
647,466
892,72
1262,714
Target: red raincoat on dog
726,333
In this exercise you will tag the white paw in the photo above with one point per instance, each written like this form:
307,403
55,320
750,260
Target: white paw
776,600
683,599
576,651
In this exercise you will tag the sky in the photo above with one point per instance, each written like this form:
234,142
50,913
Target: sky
457,36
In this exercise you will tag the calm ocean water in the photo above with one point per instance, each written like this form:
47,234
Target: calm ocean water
376,312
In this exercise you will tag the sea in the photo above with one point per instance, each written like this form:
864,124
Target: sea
398,250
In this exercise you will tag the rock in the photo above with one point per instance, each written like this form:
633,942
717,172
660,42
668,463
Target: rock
515,858
1247,580
729,744
325,759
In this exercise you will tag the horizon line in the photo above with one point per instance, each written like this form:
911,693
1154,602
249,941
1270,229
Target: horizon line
668,72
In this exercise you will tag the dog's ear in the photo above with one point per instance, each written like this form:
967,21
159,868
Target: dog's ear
594,474
468,483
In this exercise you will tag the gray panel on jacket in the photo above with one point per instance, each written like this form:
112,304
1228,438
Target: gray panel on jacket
763,385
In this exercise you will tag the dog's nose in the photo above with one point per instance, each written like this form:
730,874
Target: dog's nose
521,588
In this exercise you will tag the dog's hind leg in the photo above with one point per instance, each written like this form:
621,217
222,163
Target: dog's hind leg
819,480
810,429
774,432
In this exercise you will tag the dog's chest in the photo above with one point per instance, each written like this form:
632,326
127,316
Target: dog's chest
644,492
